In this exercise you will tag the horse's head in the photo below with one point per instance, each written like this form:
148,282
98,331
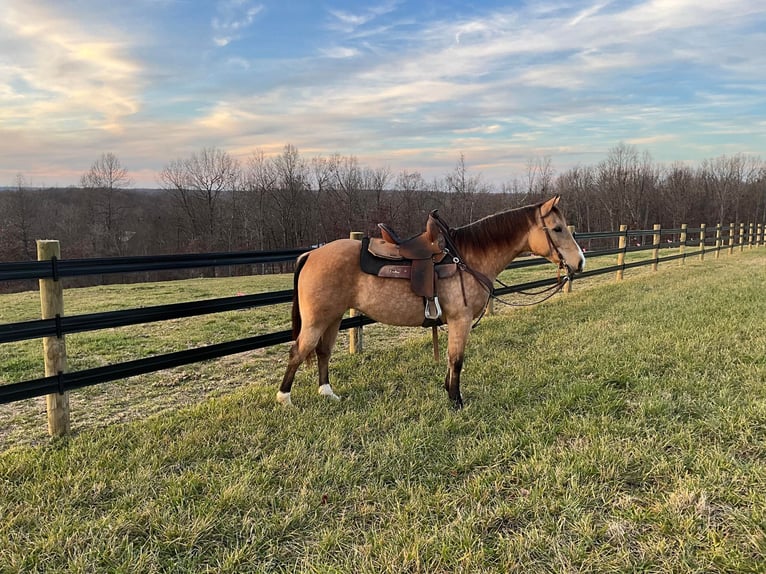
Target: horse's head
550,238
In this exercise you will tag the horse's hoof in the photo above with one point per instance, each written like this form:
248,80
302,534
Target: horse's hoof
284,399
326,391
457,404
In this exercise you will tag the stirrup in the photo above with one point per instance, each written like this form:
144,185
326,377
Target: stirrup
438,309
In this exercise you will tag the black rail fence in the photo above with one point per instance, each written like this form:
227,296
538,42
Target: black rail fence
596,244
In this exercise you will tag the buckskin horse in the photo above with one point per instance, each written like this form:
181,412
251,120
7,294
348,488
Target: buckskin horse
329,281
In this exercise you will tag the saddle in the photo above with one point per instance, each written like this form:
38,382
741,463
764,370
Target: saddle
419,259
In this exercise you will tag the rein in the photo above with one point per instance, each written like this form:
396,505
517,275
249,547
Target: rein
551,291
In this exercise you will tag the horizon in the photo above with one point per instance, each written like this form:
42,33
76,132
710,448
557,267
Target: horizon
400,84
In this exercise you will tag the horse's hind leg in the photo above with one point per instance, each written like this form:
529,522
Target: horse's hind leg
324,350
305,343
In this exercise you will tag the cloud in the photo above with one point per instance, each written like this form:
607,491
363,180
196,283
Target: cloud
339,52
387,84
500,87
64,76
233,17
350,22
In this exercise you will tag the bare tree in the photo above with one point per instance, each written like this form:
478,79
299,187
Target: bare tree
198,184
726,178
539,178
323,187
347,184
376,183
259,179
462,189
625,181
291,199
678,195
578,186
17,221
106,178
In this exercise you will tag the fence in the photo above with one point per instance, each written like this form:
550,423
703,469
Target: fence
53,326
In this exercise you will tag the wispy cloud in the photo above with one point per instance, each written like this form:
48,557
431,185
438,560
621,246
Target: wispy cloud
63,76
350,22
387,82
232,19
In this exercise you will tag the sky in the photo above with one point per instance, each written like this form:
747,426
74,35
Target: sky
406,85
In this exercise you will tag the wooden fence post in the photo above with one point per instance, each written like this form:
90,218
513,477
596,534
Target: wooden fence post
750,233
355,336
568,286
759,235
682,241
741,237
54,348
718,240
731,237
702,241
622,246
656,242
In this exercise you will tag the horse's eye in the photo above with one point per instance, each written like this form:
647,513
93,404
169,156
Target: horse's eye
557,229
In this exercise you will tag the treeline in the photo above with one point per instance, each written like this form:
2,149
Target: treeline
210,201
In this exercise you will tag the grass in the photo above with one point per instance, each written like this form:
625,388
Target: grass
621,428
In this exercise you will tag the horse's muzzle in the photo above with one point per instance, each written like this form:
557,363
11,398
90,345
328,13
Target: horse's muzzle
571,271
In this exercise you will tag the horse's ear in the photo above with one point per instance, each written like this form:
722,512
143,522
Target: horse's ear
548,206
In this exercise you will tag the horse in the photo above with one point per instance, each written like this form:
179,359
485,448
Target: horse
328,281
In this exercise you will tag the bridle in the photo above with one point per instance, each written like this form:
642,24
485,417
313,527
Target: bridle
553,248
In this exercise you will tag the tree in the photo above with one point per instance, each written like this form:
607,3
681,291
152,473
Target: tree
16,223
347,185
291,199
198,184
726,179
106,177
539,178
462,189
259,179
578,186
625,182
679,197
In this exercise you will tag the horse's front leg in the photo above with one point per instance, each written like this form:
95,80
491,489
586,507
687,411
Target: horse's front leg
458,334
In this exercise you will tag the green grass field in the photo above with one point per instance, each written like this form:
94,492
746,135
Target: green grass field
620,428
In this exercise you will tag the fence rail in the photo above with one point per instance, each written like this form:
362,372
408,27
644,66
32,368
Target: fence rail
724,238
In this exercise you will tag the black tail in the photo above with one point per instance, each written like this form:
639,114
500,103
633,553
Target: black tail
296,306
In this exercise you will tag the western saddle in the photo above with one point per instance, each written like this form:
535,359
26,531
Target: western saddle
419,259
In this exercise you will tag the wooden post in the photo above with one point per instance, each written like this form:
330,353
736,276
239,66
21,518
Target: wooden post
656,238
568,286
702,241
759,235
731,238
54,348
718,241
622,246
355,336
741,237
750,233
682,241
